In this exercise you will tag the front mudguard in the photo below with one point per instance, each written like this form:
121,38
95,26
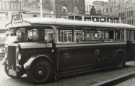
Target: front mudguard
27,65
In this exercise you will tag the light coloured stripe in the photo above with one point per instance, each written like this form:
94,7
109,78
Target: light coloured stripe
11,44
93,44
35,45
59,21
49,45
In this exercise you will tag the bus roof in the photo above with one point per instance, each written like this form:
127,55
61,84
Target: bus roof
60,21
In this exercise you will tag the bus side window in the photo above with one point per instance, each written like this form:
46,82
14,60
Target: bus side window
117,35
114,35
130,35
108,36
66,36
11,32
134,35
79,35
98,35
41,35
33,35
111,35
21,34
48,37
93,35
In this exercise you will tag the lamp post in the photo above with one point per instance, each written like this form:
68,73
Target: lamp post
41,8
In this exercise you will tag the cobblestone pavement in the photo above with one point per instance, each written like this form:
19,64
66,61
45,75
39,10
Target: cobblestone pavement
81,80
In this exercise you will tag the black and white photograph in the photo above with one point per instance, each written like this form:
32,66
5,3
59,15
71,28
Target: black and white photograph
67,42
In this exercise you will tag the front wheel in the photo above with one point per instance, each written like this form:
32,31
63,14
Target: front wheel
40,72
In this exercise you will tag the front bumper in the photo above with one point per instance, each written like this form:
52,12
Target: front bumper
13,71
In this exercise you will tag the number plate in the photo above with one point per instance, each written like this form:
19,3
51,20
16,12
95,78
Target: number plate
12,72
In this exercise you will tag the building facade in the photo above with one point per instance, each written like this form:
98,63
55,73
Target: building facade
7,7
128,12
31,8
10,5
124,9
100,6
70,7
55,7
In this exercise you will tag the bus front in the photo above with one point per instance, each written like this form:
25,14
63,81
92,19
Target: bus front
25,45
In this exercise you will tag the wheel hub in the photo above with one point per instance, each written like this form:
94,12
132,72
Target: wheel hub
40,72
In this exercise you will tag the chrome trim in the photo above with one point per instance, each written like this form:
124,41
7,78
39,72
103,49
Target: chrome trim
30,60
35,45
89,44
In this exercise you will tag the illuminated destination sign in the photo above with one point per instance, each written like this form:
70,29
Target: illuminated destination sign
102,19
96,18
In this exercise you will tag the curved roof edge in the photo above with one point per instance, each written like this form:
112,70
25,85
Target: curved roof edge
61,21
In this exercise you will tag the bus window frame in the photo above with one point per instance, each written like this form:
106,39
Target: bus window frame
130,35
43,28
90,28
66,28
114,35
32,27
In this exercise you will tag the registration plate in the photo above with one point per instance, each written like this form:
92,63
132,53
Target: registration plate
12,72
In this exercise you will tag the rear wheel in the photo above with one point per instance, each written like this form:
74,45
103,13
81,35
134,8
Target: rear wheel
40,72
120,59
122,63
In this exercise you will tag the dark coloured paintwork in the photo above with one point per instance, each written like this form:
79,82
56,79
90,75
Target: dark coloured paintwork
11,56
79,58
72,58
130,51
34,52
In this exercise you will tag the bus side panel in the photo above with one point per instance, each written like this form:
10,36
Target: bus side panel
35,52
89,57
131,52
133,55
72,58
110,55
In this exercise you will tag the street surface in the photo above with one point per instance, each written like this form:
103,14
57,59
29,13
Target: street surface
130,82
80,80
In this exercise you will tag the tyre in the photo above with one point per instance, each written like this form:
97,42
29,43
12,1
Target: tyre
122,63
40,72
